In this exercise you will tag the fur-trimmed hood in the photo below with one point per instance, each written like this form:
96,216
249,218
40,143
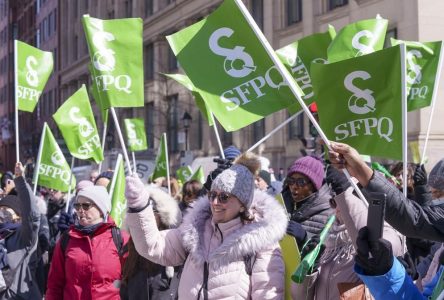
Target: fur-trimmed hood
168,208
268,227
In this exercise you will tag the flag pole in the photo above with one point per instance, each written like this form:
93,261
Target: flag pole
69,188
105,127
217,136
274,131
292,85
134,161
39,159
122,142
404,121
167,163
435,90
114,179
17,150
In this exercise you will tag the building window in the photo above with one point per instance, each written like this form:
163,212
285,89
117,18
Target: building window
86,5
227,139
294,11
172,128
172,61
51,24
149,123
332,4
391,33
148,8
75,48
258,130
149,62
129,8
55,59
258,12
296,128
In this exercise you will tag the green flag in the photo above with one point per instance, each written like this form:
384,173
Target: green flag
95,94
360,102
297,58
161,160
135,133
186,82
423,63
32,69
54,172
117,192
115,48
199,175
234,73
356,39
76,122
183,173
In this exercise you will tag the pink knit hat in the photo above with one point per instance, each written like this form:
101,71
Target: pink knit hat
311,167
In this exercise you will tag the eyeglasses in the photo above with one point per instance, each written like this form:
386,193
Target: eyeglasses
221,197
332,202
85,206
299,182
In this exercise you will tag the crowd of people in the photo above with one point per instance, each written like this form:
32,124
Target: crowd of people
220,239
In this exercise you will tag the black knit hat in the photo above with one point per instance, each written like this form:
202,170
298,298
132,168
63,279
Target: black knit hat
265,176
12,202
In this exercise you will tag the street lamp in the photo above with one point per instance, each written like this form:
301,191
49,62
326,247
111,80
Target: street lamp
186,124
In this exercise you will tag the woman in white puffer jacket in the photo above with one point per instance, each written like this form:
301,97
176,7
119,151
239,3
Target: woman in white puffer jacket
228,241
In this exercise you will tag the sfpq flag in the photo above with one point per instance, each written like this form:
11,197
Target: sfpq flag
135,133
161,160
115,48
356,39
234,73
32,68
297,58
117,192
360,102
423,65
183,173
53,170
76,122
199,175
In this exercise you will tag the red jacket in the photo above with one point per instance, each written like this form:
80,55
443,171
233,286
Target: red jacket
90,268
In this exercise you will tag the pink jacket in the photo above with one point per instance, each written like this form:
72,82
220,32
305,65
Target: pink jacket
223,246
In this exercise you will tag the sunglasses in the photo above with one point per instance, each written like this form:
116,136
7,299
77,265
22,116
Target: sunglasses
221,197
299,182
85,206
332,203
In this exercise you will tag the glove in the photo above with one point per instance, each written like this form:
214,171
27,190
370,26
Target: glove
420,176
381,260
297,231
135,193
222,164
337,180
65,220
409,266
441,258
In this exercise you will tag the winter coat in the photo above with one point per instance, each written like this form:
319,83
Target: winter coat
90,267
22,244
407,216
337,262
314,211
220,249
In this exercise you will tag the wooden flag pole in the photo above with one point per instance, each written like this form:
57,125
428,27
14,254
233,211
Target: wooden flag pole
69,188
17,145
217,136
122,142
105,127
404,121
39,159
167,163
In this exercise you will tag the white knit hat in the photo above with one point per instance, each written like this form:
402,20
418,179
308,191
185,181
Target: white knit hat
99,195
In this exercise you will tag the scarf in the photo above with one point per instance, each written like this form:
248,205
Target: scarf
88,230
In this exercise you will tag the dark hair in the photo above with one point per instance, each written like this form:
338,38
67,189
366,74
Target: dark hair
191,189
5,177
106,174
246,216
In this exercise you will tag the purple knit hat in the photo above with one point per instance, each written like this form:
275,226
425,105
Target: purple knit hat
309,166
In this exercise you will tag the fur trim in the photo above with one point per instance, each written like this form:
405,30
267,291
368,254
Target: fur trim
249,160
268,227
168,208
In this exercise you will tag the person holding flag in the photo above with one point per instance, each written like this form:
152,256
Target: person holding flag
226,251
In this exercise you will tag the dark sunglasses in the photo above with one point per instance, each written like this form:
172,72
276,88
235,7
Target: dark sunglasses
221,197
332,203
300,182
85,206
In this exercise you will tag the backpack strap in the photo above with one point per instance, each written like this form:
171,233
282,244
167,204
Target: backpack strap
118,241
64,240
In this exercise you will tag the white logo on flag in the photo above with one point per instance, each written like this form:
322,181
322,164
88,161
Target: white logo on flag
57,158
132,135
363,48
85,127
31,75
362,101
414,71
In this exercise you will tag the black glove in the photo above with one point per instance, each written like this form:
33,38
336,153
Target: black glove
409,265
297,231
222,164
381,260
337,180
65,220
420,176
441,258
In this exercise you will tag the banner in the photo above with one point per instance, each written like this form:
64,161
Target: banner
76,122
360,102
135,133
183,173
117,192
199,175
94,92
423,66
161,160
357,39
297,58
116,51
234,73
53,171
186,82
32,68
